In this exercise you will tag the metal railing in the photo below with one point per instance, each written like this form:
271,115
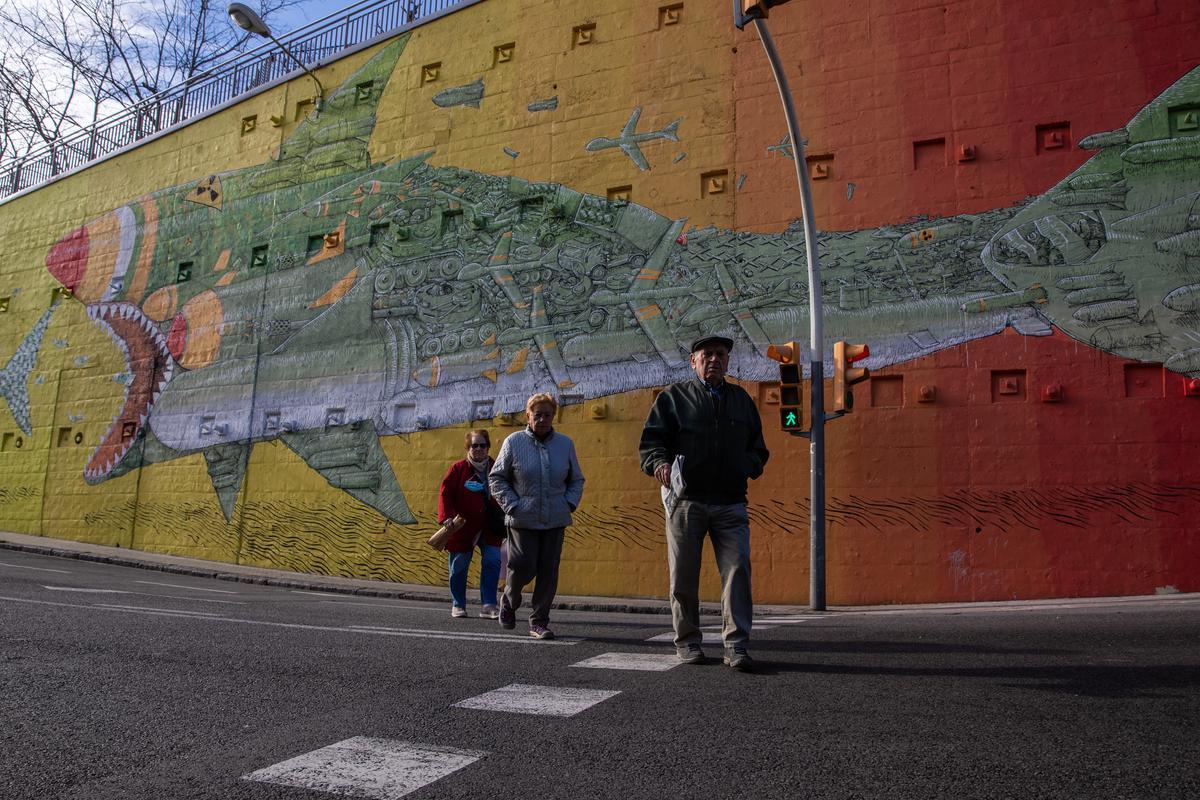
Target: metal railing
215,87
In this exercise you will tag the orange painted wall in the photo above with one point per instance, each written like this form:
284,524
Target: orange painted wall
976,495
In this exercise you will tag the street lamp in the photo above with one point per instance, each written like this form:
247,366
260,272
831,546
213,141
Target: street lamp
248,20
745,12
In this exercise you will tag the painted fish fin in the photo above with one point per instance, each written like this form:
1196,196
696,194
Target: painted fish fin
351,459
336,138
14,378
227,470
349,316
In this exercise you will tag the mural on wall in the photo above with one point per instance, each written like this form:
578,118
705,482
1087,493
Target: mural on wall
322,300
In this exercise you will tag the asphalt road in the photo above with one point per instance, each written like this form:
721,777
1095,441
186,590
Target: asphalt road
124,683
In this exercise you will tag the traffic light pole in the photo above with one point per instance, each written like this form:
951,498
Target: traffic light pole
816,586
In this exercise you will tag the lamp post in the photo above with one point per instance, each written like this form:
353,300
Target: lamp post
248,20
745,12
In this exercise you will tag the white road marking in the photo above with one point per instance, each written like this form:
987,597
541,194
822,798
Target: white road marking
39,569
757,627
507,638
199,615
438,610
193,599
381,769
183,586
140,594
174,612
318,594
551,701
790,620
710,637
84,591
643,662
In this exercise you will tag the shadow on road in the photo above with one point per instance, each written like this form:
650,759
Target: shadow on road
1092,680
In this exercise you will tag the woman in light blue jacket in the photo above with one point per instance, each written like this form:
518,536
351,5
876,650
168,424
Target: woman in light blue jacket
537,481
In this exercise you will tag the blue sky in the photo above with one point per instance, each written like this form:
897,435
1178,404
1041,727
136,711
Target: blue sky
305,12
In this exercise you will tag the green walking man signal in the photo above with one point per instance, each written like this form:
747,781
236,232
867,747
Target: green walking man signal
791,404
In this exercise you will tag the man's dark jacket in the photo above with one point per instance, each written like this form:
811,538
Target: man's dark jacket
721,444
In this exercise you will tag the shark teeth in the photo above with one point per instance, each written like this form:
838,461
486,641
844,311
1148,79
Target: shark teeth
151,366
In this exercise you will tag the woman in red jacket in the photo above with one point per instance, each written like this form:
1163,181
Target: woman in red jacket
465,492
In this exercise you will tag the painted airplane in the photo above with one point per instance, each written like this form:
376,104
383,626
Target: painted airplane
629,140
324,300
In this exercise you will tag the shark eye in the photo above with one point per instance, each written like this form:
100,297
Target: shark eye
194,337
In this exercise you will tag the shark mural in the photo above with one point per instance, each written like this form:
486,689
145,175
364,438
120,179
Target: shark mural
324,300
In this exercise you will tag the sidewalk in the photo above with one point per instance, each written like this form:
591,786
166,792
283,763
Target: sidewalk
179,565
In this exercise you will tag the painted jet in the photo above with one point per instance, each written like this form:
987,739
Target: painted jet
629,140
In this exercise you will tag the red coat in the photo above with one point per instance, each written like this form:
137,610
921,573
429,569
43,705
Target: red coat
455,498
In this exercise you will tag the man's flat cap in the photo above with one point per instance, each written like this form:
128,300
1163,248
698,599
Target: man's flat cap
704,341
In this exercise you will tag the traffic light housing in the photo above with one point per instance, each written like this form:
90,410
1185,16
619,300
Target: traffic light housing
791,402
845,375
746,10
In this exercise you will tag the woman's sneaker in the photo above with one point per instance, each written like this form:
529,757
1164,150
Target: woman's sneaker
457,611
508,619
490,612
540,632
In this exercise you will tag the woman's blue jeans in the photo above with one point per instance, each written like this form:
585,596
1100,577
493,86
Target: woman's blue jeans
489,575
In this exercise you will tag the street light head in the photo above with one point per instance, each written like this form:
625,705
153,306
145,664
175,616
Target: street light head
248,20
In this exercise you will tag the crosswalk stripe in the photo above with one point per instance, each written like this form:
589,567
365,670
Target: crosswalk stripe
381,769
506,638
710,637
642,662
551,701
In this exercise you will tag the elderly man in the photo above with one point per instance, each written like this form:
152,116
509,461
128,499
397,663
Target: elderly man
702,441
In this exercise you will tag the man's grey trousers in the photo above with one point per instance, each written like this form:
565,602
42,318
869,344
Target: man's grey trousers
729,528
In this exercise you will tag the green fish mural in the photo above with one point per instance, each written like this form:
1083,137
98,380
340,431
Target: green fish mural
324,300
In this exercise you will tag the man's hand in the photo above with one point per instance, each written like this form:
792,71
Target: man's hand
663,473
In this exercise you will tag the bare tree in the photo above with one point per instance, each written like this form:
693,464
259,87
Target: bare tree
66,63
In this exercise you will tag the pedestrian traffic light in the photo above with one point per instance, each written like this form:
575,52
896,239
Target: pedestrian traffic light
845,376
746,10
791,406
